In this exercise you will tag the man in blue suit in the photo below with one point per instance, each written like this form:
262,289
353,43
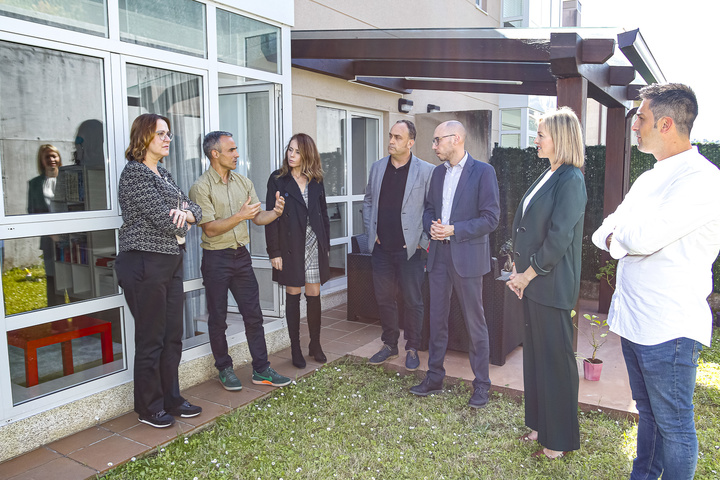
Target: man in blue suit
461,209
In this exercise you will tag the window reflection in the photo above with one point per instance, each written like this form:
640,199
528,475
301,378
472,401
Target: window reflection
248,43
331,145
61,96
40,272
338,219
56,355
173,25
177,96
86,16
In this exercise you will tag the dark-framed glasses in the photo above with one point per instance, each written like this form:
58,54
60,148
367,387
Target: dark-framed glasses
436,140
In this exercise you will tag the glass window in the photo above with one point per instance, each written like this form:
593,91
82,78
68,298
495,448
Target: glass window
177,96
512,8
338,257
55,159
331,144
510,140
533,116
86,16
358,225
248,43
338,219
40,272
511,119
74,350
173,25
364,150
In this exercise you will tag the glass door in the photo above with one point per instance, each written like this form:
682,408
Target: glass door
250,113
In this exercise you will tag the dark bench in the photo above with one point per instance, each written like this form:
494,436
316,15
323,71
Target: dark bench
503,311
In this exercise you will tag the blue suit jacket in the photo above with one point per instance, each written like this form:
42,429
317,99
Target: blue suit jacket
475,213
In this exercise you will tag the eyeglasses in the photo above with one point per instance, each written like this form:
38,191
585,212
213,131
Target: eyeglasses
163,135
436,140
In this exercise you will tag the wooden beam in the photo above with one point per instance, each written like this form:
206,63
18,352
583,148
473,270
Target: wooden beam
572,92
597,50
333,67
527,88
536,72
621,75
398,85
564,54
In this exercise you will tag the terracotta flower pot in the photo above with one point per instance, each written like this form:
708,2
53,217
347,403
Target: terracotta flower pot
592,369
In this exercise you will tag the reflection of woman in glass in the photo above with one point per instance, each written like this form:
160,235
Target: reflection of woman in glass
298,242
41,191
156,218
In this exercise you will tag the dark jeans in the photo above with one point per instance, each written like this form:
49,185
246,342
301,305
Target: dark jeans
231,269
152,283
662,380
390,270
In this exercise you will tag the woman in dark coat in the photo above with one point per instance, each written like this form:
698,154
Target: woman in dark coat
547,239
298,242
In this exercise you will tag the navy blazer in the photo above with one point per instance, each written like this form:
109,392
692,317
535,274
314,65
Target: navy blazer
285,236
475,214
549,237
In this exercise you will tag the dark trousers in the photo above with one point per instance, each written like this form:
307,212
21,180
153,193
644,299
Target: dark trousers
231,269
443,279
550,376
390,271
152,283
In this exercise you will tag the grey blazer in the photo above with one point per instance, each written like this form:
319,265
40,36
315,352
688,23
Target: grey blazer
416,188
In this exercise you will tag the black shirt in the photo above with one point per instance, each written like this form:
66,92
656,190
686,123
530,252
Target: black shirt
389,226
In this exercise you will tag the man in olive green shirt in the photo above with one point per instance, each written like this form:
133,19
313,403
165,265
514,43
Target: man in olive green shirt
227,200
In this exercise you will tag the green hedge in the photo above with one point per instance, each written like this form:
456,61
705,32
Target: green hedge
518,168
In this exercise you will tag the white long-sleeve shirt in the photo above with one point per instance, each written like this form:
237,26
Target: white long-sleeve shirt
666,235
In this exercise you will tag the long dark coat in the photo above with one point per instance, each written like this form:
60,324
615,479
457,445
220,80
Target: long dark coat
285,237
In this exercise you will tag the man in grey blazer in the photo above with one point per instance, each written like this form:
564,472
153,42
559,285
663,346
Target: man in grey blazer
392,213
461,210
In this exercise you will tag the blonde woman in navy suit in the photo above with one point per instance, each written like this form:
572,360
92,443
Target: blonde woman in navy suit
547,240
298,242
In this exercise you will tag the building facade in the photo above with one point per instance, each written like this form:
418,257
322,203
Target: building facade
76,73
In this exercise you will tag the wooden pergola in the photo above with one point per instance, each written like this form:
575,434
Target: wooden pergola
571,64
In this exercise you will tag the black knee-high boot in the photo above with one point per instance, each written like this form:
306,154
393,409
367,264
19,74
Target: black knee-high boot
292,312
314,311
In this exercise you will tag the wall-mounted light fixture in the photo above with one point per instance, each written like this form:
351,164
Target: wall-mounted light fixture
433,108
405,105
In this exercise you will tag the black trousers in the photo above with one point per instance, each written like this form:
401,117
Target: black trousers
550,375
152,283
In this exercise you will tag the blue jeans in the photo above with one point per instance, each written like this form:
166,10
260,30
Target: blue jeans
231,269
390,270
662,379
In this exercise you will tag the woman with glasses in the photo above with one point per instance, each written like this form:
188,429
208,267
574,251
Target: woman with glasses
156,218
298,242
547,240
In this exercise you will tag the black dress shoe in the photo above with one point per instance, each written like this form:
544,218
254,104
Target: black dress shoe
479,398
425,389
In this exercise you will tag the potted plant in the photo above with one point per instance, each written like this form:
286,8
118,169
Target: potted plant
592,366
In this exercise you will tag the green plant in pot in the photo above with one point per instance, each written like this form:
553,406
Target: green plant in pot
592,366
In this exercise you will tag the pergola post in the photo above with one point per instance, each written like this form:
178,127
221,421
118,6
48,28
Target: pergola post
617,179
572,92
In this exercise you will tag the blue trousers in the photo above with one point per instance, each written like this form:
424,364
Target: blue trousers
231,270
662,380
443,279
393,270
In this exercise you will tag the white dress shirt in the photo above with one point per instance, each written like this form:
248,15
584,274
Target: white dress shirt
666,235
452,177
539,185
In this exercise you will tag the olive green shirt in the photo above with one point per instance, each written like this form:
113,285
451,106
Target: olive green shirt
219,201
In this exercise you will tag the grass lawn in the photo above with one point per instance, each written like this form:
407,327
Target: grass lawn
351,420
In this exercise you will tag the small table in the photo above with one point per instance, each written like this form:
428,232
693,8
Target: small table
62,332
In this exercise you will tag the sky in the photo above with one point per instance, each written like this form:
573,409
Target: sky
683,36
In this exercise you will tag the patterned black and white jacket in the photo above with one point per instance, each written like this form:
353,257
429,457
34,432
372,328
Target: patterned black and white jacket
146,200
